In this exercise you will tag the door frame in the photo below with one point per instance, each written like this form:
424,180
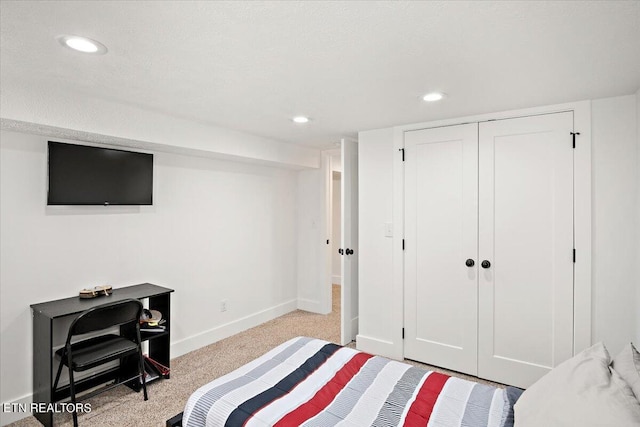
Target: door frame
582,322
326,294
349,304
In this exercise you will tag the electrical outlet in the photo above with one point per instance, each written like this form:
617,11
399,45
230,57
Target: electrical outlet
223,305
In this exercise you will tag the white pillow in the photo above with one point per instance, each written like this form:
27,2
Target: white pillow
581,391
627,364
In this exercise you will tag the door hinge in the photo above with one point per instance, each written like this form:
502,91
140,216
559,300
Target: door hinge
327,241
402,333
402,150
574,255
403,244
573,134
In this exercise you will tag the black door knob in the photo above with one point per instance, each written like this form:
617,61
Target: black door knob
349,251
341,251
485,264
470,263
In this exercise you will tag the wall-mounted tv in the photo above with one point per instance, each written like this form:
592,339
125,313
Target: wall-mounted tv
84,175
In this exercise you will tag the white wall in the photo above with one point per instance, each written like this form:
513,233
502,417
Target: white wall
615,228
615,220
217,230
378,328
311,255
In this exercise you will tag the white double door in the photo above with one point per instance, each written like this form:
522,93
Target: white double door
489,247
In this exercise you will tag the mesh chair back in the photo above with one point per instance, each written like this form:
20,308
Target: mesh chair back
107,315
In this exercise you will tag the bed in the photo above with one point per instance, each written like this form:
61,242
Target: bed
310,382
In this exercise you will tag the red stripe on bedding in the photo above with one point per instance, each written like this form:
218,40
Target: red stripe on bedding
421,408
326,394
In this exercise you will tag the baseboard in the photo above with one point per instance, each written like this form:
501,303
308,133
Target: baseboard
15,412
379,347
354,326
336,280
311,306
210,336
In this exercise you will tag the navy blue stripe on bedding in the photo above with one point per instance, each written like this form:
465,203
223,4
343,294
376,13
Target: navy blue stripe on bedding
512,394
245,410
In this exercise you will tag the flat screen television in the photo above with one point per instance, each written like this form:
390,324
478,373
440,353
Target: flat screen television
84,175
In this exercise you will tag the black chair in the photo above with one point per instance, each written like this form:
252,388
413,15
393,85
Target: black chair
89,353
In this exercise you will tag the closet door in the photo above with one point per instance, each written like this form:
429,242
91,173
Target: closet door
526,234
440,301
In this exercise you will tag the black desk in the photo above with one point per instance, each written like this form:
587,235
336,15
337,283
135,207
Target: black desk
44,315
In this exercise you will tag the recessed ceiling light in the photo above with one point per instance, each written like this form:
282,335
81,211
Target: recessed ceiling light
433,96
300,119
82,44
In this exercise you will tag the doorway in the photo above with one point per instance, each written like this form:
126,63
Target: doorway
349,240
341,235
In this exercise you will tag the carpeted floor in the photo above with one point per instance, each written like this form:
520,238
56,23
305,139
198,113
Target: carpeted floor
123,408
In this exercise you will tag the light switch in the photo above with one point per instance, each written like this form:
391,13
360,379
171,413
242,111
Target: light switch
388,229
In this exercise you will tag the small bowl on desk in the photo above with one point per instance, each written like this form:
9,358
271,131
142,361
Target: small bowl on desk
97,291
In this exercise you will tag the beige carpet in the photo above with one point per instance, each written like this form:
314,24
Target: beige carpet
123,408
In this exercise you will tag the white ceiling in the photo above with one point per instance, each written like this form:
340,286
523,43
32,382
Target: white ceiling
350,66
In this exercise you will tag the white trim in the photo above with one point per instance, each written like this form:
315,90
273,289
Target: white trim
336,280
582,320
354,324
571,106
11,417
397,283
202,339
582,223
309,305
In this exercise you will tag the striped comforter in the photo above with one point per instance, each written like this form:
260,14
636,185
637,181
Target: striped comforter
310,382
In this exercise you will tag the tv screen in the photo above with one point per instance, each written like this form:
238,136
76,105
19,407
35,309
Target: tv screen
83,175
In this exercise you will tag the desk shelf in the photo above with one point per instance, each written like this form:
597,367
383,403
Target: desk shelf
86,384
148,336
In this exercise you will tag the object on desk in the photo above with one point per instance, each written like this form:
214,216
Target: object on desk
163,370
150,316
97,291
152,327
